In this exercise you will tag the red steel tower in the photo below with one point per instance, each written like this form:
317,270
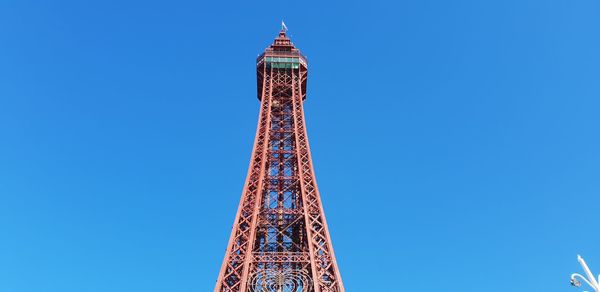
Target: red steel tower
280,241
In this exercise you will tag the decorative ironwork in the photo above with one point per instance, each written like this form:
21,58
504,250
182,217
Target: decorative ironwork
280,240
276,280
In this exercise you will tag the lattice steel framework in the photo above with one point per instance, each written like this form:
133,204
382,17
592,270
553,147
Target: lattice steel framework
280,241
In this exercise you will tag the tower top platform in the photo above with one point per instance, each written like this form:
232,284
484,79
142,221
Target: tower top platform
282,47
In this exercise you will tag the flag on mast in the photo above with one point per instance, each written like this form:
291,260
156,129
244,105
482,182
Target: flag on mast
283,26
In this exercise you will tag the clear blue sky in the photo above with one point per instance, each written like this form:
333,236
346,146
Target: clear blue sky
456,143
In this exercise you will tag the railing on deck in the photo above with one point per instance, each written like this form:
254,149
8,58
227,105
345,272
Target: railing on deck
282,53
